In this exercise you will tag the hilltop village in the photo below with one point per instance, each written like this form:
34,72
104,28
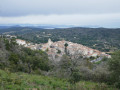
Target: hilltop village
56,50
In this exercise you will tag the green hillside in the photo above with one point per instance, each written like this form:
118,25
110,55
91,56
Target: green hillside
104,39
23,81
22,68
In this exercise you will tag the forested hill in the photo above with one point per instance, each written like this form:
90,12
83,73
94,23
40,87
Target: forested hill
103,39
17,58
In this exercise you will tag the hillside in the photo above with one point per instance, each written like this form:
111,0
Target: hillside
23,81
103,39
17,61
56,50
18,58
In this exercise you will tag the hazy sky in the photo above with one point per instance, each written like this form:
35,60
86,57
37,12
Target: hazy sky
104,13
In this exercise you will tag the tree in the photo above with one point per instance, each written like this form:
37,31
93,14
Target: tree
59,51
69,69
13,58
114,67
7,44
29,61
66,45
36,59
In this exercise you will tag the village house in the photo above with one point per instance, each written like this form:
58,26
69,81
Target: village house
20,42
56,50
72,48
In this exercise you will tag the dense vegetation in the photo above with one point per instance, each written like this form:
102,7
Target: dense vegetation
23,81
103,39
25,68
114,65
18,58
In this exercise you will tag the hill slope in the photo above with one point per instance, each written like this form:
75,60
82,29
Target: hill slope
103,39
23,81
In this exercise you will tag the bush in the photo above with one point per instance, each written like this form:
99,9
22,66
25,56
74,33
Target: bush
114,67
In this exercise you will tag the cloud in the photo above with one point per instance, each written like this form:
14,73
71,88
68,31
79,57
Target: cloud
46,7
106,20
77,12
